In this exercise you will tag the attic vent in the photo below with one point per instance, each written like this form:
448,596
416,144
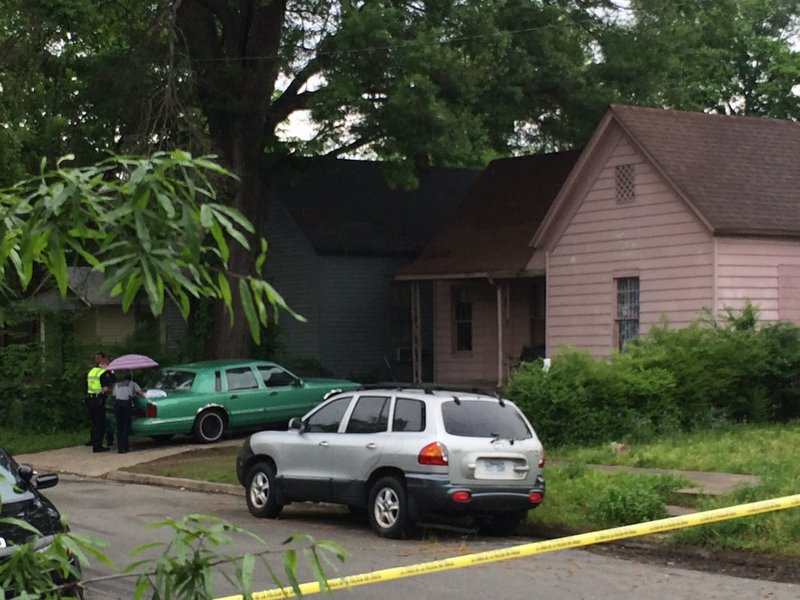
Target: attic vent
624,183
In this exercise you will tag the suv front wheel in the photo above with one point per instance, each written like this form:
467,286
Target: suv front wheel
261,491
388,508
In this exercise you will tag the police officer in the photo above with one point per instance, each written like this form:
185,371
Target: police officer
99,382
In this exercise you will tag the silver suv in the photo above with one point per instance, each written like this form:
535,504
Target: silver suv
401,453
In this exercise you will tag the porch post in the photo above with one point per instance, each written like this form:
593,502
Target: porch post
498,286
416,335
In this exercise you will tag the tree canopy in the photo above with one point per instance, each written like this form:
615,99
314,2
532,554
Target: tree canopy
412,83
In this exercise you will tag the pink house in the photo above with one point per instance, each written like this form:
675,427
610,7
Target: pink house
664,214
486,284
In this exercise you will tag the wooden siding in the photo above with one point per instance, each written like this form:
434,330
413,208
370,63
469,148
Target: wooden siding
480,366
656,238
763,271
354,315
104,325
292,268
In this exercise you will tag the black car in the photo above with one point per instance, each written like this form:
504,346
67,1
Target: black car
22,500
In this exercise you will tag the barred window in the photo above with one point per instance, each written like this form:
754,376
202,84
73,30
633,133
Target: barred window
624,183
627,321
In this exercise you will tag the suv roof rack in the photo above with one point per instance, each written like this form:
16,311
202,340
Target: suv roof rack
429,388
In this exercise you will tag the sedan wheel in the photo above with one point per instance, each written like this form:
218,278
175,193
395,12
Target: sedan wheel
388,508
209,427
261,491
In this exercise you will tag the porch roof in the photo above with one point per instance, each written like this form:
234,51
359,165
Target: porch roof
489,234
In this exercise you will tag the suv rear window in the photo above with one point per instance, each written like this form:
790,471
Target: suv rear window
484,419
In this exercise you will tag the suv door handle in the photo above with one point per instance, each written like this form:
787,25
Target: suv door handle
234,396
372,445
325,444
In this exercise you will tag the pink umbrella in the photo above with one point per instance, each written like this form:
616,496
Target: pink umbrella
131,361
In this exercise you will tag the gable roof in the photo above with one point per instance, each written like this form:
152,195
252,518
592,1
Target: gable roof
84,287
490,232
742,174
347,207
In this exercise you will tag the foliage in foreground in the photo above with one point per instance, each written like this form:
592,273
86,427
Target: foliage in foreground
666,382
184,569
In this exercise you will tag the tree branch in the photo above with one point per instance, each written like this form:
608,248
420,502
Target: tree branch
354,145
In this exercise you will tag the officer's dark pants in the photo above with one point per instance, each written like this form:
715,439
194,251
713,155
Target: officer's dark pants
97,419
123,412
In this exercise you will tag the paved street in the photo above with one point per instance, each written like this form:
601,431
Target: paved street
117,511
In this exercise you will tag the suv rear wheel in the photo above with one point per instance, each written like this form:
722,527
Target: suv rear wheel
388,508
261,492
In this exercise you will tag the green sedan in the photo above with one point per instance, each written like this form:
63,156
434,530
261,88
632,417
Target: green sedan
206,399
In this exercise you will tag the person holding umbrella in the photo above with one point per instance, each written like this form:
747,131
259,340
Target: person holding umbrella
125,391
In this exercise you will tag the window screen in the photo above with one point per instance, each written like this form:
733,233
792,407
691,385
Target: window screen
627,320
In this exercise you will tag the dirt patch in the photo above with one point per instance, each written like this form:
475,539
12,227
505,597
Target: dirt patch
188,457
747,565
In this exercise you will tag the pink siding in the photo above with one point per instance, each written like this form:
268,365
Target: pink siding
765,272
656,238
479,367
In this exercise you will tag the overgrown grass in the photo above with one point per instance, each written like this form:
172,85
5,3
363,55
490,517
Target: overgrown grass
767,451
755,449
209,464
23,442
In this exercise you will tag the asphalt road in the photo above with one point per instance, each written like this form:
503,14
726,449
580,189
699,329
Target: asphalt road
117,512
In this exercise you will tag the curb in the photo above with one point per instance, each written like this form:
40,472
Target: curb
194,485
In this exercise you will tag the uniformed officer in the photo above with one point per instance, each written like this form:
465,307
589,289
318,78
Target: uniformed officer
99,382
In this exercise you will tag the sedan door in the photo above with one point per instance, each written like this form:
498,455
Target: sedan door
245,398
284,396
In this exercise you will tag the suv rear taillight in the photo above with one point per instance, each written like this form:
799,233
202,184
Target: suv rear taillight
541,459
151,410
433,454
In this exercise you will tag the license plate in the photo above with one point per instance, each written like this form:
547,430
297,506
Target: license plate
495,466
489,468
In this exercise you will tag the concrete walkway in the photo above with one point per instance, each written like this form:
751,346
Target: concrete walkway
82,462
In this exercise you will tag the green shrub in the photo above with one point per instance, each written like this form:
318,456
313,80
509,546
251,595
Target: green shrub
633,501
669,380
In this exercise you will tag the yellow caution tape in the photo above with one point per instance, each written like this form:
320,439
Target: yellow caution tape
573,541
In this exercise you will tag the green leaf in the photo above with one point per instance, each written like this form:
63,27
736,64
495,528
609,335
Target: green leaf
246,299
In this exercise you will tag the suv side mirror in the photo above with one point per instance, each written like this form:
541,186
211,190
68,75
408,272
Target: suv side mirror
296,424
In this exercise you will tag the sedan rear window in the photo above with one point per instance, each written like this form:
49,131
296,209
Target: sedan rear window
169,379
484,419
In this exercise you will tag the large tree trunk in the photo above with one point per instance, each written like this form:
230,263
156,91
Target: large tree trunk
234,49
226,339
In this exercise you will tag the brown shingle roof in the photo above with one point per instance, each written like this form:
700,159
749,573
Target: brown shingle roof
741,173
490,232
